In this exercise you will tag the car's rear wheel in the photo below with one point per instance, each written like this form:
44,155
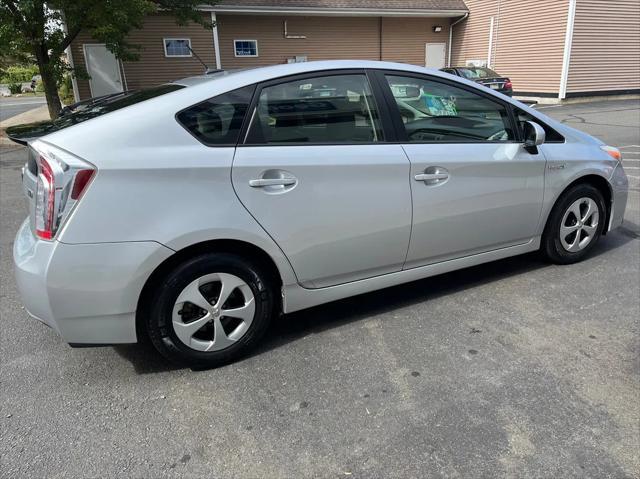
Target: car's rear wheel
210,310
574,225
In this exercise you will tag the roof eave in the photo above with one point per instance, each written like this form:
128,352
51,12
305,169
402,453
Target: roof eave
328,12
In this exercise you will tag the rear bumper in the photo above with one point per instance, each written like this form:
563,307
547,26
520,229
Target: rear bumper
620,191
87,293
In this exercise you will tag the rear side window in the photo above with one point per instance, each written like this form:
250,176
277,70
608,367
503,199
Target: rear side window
217,121
551,135
320,110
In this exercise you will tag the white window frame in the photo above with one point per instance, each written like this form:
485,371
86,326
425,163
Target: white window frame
164,44
235,51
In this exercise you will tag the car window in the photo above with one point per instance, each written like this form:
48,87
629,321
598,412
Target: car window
217,121
437,112
328,109
475,73
551,135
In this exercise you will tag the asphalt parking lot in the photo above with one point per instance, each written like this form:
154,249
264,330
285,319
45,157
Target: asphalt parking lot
12,106
511,369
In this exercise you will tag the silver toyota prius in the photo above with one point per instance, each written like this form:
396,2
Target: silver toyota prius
193,213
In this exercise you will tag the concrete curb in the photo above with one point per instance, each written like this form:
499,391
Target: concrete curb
573,101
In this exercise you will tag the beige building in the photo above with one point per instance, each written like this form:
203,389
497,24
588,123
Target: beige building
557,48
554,48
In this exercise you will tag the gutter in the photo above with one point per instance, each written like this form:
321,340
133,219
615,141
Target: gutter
464,17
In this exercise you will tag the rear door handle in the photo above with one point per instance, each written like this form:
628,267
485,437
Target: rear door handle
262,182
431,176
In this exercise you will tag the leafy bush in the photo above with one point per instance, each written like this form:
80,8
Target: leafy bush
39,86
19,74
66,91
15,88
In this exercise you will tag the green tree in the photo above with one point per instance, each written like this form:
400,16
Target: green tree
43,30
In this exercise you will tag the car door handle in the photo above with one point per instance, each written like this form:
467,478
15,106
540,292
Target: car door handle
262,182
431,176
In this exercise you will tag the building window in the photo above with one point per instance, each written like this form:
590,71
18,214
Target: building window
177,47
245,48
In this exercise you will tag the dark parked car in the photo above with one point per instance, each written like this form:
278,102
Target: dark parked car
484,76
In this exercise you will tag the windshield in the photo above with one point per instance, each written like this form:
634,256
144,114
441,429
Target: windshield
474,73
96,107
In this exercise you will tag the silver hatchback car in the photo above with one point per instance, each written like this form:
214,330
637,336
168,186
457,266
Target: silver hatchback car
202,210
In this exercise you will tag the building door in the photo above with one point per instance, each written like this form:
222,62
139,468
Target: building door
103,69
435,55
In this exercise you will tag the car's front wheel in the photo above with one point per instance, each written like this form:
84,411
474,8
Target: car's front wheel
574,225
210,310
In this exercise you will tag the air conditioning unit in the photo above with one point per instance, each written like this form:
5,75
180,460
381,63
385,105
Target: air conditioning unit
297,59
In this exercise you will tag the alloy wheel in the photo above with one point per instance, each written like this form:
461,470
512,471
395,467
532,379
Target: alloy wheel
213,312
579,224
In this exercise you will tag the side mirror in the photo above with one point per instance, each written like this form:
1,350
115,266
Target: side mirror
534,136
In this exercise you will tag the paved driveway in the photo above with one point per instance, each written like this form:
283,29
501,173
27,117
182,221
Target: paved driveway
511,369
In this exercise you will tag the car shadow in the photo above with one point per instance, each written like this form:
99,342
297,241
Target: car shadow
145,359
294,326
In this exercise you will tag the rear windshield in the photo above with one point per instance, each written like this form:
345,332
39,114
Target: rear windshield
473,73
89,109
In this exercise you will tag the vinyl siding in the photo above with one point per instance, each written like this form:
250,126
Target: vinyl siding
528,40
153,67
403,39
605,51
327,38
471,36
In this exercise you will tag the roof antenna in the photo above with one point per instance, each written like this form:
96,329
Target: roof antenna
207,70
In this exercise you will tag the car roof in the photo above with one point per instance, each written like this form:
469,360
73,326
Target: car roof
265,73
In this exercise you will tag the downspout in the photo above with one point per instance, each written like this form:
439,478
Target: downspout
380,36
124,76
462,18
566,57
493,19
291,36
216,41
497,32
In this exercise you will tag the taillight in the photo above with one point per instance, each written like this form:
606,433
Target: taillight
83,177
45,199
61,180
508,84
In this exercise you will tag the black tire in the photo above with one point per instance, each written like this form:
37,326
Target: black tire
551,246
158,321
